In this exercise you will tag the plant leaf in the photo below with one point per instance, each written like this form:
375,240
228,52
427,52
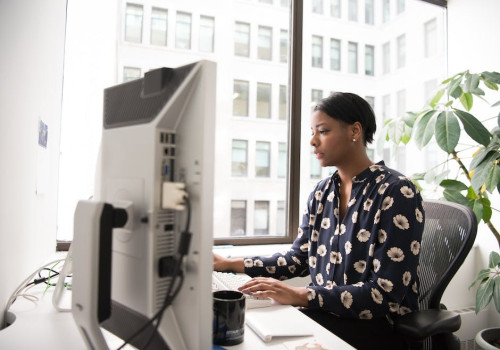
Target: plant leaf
493,178
494,259
425,128
473,127
493,77
496,293
480,277
484,294
490,85
436,98
471,83
455,197
487,212
467,100
481,172
453,185
478,209
447,131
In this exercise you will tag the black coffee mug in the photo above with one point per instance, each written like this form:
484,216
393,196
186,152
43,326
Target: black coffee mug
229,317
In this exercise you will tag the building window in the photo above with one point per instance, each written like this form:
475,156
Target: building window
240,98
262,159
401,6
238,217
369,60
371,101
316,96
282,159
280,218
242,39
429,90
283,107
369,12
335,8
285,3
207,29
317,6
401,43
317,51
263,100
131,73
315,166
353,58
183,31
430,39
334,54
386,11
261,218
401,103
265,41
386,58
386,108
353,10
284,46
133,23
239,158
159,25
269,2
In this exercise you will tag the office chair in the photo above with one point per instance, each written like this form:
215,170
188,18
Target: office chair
449,233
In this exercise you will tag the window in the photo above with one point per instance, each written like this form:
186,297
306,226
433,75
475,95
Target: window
264,49
282,159
335,8
353,57
401,103
284,46
317,6
183,31
386,108
159,25
269,2
353,10
369,60
242,39
240,98
386,11
316,96
131,73
386,58
334,54
401,6
315,172
280,218
317,51
262,159
371,101
133,23
369,12
430,39
263,100
283,107
401,44
261,218
207,28
239,158
238,217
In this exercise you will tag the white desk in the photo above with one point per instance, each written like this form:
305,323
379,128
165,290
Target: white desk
39,326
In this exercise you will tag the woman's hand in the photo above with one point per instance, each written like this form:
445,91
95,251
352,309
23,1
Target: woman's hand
283,293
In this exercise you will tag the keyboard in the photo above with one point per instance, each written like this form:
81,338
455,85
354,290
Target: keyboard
231,281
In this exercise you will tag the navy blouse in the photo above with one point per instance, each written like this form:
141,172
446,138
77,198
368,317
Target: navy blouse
365,266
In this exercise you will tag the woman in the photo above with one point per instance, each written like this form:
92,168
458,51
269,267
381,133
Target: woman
359,239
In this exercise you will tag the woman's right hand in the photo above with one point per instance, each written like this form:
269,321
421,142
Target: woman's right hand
225,264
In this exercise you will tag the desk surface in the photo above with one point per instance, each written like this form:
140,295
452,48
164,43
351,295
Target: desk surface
38,325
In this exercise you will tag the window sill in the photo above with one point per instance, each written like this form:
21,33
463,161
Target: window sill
230,251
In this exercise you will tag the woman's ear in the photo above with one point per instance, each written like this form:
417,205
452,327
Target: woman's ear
357,131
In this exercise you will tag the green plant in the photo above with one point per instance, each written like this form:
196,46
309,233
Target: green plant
489,284
445,118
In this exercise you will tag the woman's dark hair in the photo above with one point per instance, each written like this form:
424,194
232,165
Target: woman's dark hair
350,108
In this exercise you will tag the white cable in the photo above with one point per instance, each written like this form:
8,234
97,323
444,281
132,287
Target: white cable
24,284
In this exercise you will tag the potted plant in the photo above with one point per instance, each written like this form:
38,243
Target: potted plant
474,181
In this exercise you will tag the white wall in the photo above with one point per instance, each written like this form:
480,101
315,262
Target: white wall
31,77
473,44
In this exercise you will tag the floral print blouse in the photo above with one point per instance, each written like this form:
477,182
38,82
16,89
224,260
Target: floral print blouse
365,266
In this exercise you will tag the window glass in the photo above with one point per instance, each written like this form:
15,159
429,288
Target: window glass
131,73
280,218
386,57
335,54
238,218
386,10
262,159
401,42
317,6
369,60
207,28
263,100
261,218
239,158
282,159
284,45
353,10
240,98
265,49
183,31
283,107
430,38
242,39
353,57
369,12
159,25
133,23
335,8
317,51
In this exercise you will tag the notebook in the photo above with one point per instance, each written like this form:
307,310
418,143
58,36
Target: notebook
278,321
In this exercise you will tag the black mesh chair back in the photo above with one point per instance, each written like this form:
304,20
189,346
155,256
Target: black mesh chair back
449,233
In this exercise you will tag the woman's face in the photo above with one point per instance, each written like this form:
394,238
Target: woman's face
331,139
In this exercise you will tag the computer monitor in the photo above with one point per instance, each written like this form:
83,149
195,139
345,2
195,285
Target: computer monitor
158,135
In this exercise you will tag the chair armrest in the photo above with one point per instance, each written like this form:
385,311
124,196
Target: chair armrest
425,323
